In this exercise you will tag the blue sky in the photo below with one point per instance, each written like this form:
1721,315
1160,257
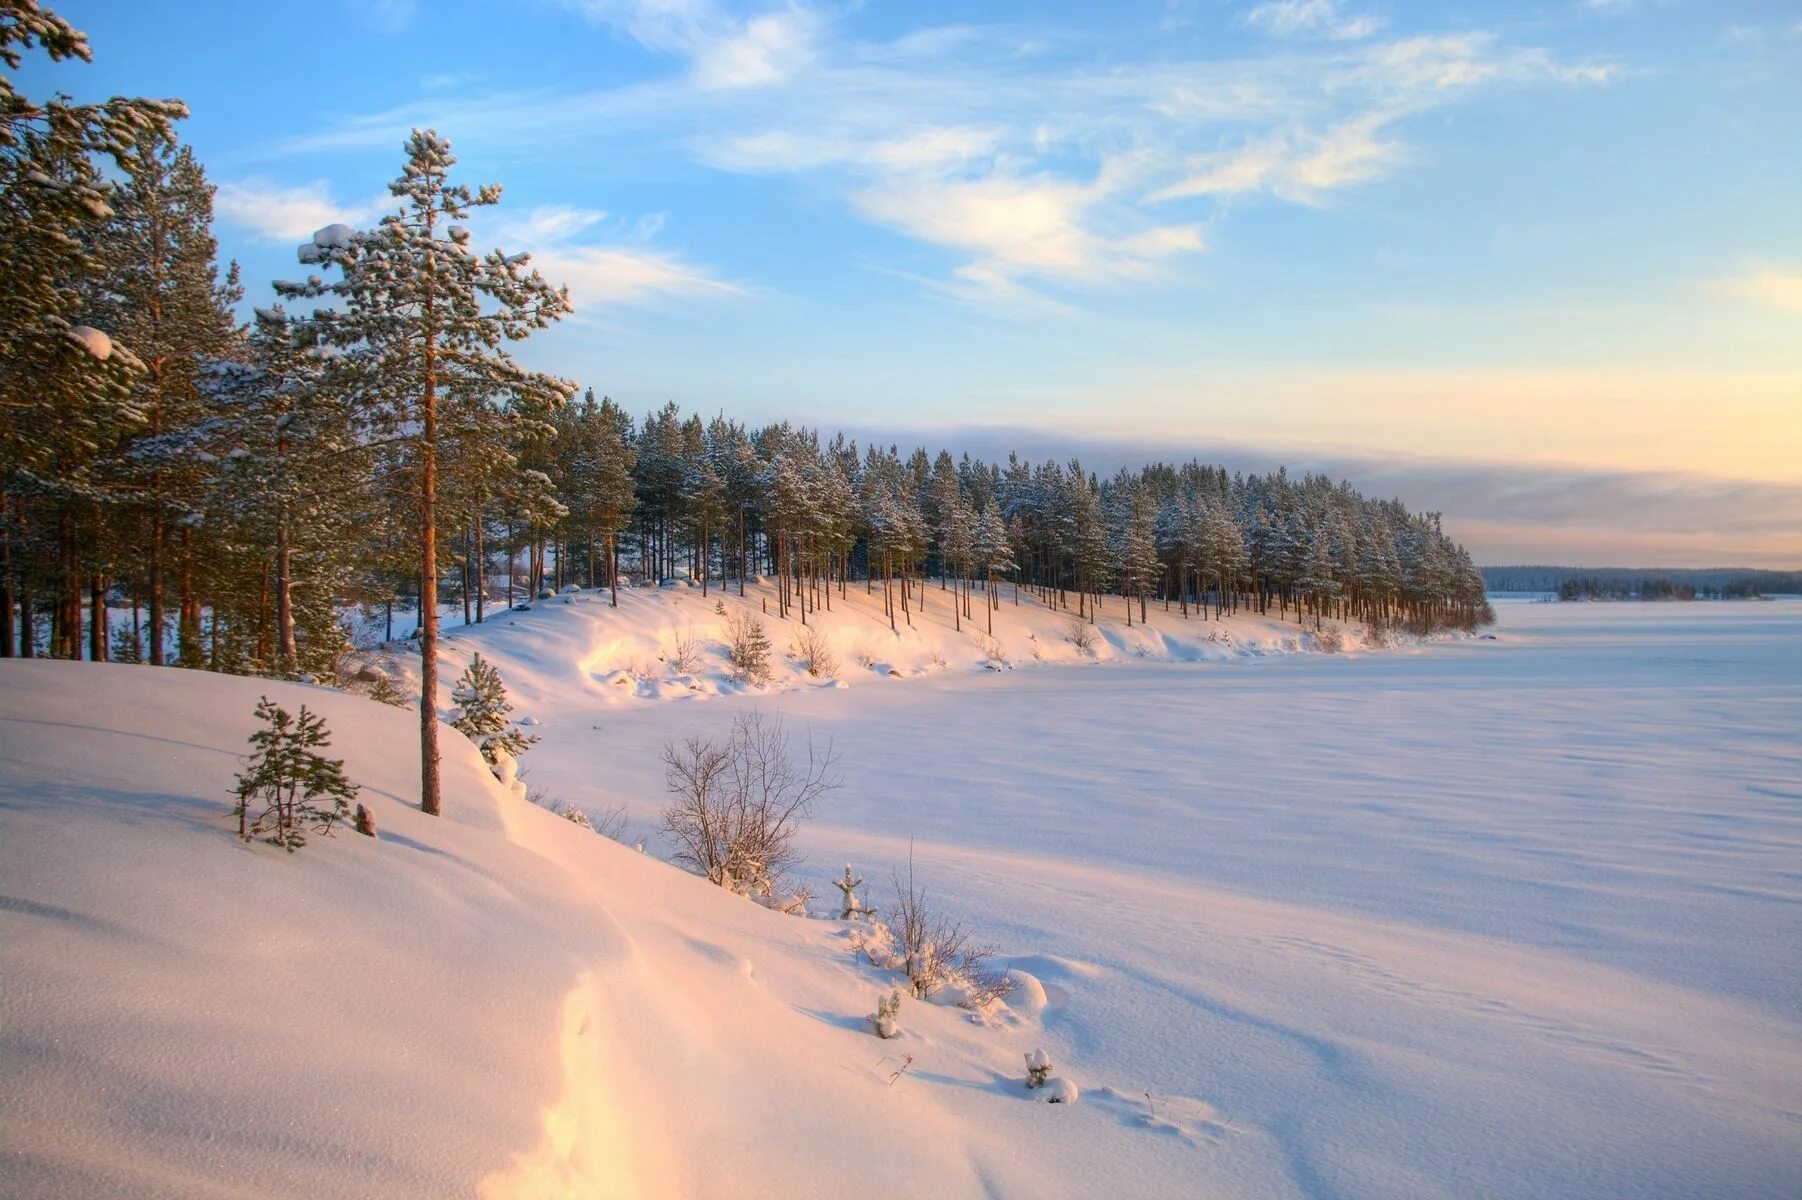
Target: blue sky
1436,242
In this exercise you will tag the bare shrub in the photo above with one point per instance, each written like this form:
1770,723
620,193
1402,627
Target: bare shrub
735,809
934,950
1081,634
1330,639
814,652
1377,636
864,657
685,652
748,649
994,657
608,822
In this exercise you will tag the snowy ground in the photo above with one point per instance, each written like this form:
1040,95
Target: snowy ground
1509,918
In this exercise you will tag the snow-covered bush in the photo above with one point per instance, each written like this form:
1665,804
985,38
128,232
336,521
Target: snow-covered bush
886,1020
1052,1089
482,698
852,907
386,691
1330,639
935,951
1081,634
994,657
748,649
609,822
735,808
298,787
813,651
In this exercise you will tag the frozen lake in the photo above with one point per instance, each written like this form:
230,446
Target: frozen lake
1498,917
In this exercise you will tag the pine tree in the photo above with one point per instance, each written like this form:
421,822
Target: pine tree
994,552
164,296
482,699
422,318
282,447
65,375
298,787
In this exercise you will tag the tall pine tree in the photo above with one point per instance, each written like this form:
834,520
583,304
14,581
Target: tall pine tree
420,317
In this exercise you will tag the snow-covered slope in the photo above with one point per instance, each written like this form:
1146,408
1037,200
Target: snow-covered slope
493,997
1506,918
576,648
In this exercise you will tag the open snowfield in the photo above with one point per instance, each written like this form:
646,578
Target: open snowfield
1509,918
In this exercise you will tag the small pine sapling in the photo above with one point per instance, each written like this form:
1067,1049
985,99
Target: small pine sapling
386,691
1038,1069
748,649
483,700
886,1020
852,908
299,788
126,647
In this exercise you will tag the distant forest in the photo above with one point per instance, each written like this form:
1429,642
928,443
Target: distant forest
1644,583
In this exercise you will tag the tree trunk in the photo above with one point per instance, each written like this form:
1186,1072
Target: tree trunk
429,801
98,643
8,633
481,566
287,656
188,645
156,590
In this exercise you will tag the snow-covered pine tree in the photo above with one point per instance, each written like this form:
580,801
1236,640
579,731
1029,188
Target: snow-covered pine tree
282,447
419,316
164,296
614,495
482,697
65,380
748,649
994,552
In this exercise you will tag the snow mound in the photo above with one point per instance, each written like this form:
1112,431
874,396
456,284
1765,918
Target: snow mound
92,340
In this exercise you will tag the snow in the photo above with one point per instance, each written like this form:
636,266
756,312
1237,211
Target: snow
334,236
1510,918
92,340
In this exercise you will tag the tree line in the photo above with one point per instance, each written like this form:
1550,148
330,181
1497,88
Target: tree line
233,486
1709,583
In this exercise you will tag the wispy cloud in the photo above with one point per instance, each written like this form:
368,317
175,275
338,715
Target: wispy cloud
1311,18
1769,286
1024,161
604,267
278,213
725,51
